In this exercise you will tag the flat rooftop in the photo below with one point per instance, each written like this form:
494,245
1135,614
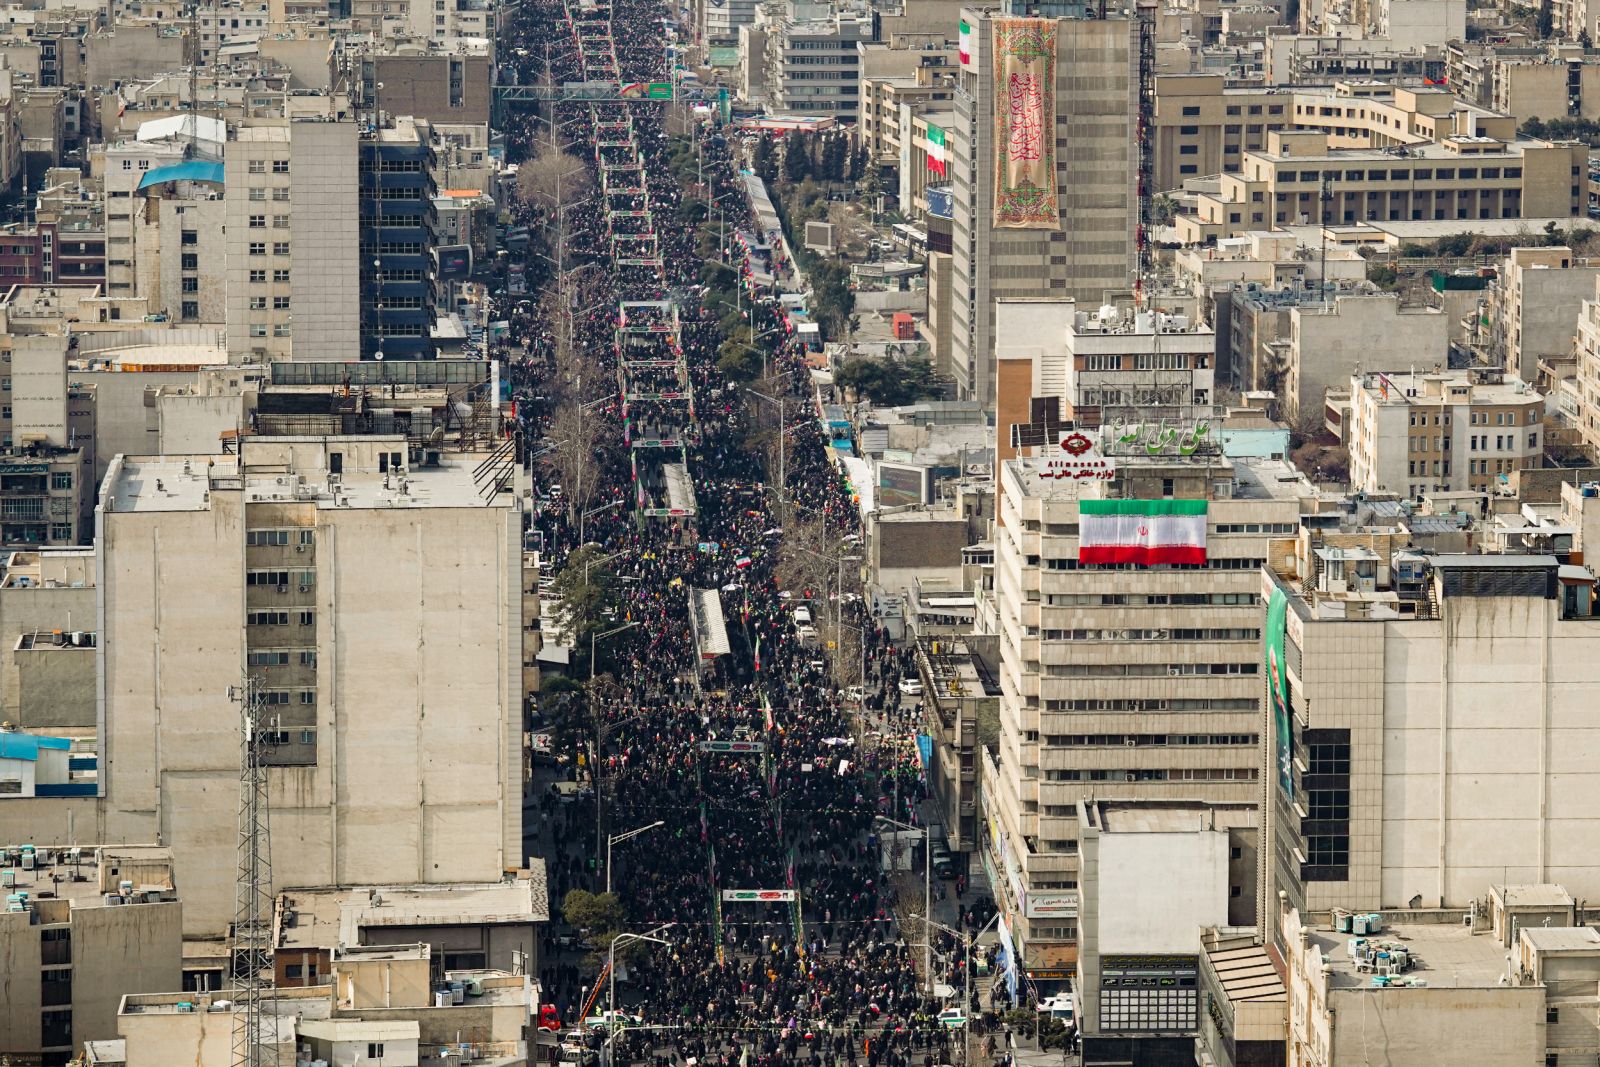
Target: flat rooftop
1445,955
179,483
326,917
1534,894
1171,817
1562,938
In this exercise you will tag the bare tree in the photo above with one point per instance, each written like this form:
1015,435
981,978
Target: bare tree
553,178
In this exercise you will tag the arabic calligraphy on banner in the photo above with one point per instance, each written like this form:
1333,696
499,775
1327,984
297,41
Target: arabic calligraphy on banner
1025,123
1158,437
1080,458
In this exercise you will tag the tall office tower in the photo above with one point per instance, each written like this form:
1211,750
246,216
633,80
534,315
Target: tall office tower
1430,718
1129,621
373,591
293,277
1045,166
398,295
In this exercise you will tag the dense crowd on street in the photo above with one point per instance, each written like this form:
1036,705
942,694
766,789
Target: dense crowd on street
834,975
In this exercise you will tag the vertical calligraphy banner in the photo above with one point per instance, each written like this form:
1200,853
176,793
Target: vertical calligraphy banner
1025,123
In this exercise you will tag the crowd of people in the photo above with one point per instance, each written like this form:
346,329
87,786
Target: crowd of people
831,969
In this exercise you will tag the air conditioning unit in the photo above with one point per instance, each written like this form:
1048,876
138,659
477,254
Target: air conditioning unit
305,589
301,548
1130,742
1131,777
1176,672
283,589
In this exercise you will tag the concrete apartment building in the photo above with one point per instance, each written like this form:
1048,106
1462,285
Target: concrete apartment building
294,260
306,562
1125,680
43,591
90,926
1463,176
811,64
379,1008
1299,343
1204,126
1413,433
896,83
1588,376
1107,363
1534,307
1092,249
959,690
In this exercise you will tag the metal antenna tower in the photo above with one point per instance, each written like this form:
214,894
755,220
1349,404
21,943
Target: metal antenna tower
252,917
1144,282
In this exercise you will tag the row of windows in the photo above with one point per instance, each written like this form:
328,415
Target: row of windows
259,193
1154,704
279,618
259,277
282,657
1058,600
279,166
281,697
1181,774
277,538
1216,564
1148,740
259,248
1146,670
303,579
279,222
1202,633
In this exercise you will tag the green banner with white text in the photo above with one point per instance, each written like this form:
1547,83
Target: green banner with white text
1278,686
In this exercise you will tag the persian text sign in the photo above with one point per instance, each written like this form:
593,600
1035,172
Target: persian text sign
733,746
1025,123
758,894
1080,457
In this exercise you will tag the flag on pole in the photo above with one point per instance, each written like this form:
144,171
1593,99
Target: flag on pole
965,47
1142,531
936,155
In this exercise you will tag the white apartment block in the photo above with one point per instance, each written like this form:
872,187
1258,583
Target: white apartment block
377,604
1122,680
293,241
1412,433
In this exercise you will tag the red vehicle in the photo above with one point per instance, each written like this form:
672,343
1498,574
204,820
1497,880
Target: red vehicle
549,1018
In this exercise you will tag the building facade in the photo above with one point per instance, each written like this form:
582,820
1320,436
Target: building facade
397,190
1092,249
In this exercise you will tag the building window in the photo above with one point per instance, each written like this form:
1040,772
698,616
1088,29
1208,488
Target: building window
258,330
280,248
190,285
258,303
280,166
257,193
61,479
280,303
374,1050
258,276
280,275
1552,1016
258,248
258,166
258,222
61,531
191,309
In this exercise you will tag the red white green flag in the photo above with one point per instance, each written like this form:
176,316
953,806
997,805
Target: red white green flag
965,46
1141,531
936,153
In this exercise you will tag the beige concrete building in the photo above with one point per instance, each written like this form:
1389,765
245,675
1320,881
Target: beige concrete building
1129,681
894,82
293,250
1588,384
1413,433
42,592
302,563
1534,307
1434,736
1325,341
1462,176
88,927
378,1008
959,689
1092,250
1204,126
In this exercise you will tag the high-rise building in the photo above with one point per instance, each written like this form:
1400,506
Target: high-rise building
398,297
1428,724
373,591
1128,611
1086,246
293,271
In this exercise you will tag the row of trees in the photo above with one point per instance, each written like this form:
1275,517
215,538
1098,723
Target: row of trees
827,156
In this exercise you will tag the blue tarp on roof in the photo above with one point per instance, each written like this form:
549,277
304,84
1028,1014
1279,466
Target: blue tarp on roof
194,170
27,746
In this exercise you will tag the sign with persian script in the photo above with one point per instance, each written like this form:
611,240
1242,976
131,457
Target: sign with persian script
1025,123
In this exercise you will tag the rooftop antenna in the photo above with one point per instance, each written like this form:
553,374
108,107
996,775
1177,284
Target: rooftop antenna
251,948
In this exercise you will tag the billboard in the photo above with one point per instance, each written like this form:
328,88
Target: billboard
900,484
1025,123
1278,687
455,261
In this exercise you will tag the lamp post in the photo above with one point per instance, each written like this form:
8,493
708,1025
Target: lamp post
612,839
966,997
611,972
927,891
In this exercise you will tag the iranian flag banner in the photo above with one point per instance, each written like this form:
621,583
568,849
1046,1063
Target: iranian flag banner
936,156
1141,531
965,47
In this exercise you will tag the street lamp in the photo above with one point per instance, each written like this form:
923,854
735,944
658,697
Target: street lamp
582,518
611,970
599,739
612,839
927,891
966,997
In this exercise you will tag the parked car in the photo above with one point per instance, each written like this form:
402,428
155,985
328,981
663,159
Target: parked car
911,687
802,616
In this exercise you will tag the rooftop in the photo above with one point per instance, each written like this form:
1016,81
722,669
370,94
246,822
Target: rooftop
326,917
1535,895
82,877
1245,972
1170,817
1434,388
1443,955
1561,938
